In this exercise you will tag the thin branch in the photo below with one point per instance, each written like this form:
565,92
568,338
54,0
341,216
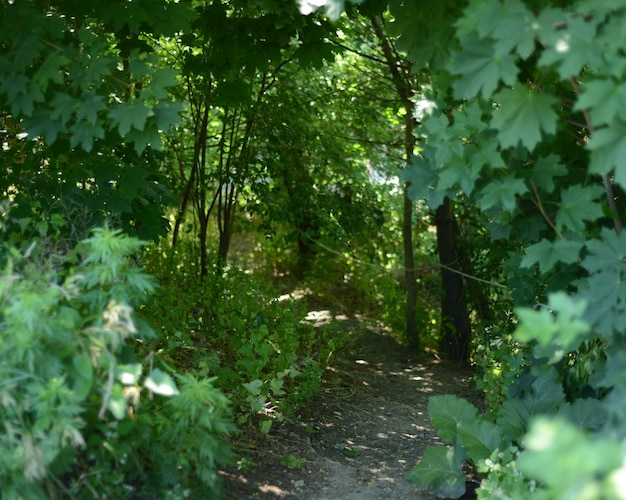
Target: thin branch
418,268
606,181
543,211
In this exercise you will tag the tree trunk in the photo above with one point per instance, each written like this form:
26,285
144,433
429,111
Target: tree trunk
402,80
455,323
409,273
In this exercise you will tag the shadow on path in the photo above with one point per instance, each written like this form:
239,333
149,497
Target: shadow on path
365,430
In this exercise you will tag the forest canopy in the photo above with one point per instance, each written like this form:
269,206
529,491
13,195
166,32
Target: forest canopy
175,170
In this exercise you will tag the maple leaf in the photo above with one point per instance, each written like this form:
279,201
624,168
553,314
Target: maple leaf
130,114
607,253
523,116
481,69
547,254
608,150
573,48
502,193
577,206
544,171
604,98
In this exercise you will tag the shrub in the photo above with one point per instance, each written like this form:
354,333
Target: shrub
234,327
75,403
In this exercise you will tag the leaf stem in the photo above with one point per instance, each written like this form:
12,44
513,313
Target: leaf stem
543,211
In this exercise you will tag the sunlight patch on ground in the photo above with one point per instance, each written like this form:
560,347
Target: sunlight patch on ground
273,490
319,318
295,295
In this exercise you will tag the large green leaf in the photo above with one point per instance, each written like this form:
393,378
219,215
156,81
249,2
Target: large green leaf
544,397
547,254
423,181
577,206
588,414
607,253
481,70
501,194
572,48
608,150
567,459
130,114
604,98
561,325
449,412
523,116
479,438
545,170
440,472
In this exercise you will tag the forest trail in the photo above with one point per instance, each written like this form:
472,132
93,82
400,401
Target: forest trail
361,435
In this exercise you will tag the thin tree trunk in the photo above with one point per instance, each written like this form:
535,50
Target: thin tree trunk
455,323
409,273
403,84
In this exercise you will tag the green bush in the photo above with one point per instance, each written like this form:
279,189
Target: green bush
76,405
234,327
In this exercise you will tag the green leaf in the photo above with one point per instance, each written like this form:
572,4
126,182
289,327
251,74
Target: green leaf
91,104
605,99
458,172
40,124
523,115
254,387
567,459
501,193
161,383
545,170
607,253
481,69
84,134
578,205
608,150
440,472
480,438
587,414
561,325
607,291
544,398
422,181
84,370
133,113
265,426
116,403
448,413
51,71
276,385
547,254
162,79
167,115
128,374
514,29
572,48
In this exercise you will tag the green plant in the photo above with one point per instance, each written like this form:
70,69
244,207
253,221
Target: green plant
292,462
233,326
75,400
499,361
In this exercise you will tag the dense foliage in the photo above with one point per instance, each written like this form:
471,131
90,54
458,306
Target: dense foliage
81,413
531,134
259,149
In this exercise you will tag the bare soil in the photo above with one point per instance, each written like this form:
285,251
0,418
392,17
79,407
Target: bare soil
361,435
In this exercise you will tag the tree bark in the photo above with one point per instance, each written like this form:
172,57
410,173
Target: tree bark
455,323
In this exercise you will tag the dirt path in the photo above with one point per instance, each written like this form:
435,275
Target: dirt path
361,435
